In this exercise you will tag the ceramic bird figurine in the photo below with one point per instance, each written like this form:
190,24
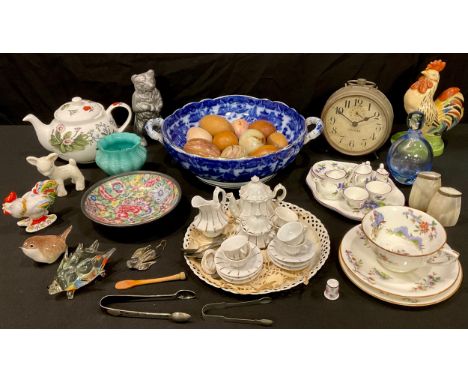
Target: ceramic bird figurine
441,114
33,206
79,269
46,248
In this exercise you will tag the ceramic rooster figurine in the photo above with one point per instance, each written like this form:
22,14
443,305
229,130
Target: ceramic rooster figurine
440,114
33,206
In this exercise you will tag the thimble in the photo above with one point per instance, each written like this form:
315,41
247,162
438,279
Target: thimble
332,290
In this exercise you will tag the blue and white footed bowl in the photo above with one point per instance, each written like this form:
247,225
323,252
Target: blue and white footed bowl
232,173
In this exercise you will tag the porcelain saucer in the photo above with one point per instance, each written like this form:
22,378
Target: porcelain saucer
397,300
360,259
394,198
288,262
239,275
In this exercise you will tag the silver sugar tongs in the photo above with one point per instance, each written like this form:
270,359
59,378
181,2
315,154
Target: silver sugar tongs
223,305
175,316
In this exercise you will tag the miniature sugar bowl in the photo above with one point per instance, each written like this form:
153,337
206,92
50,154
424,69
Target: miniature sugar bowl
445,206
424,188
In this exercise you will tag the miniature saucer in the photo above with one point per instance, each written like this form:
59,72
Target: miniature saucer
397,300
239,275
426,281
291,263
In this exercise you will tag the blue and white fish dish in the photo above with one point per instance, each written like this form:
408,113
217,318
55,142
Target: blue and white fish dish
233,173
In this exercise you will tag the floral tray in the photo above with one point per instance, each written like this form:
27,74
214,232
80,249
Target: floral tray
271,278
395,198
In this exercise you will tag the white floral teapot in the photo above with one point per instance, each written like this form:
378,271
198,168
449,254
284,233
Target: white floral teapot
256,199
76,128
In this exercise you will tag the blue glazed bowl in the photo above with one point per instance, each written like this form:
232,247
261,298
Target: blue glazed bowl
234,172
120,152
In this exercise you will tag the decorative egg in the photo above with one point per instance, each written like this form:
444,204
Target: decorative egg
202,148
263,150
240,126
215,124
252,139
225,139
234,152
277,139
265,127
198,133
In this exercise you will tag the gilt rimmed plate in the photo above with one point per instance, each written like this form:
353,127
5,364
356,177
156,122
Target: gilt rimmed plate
412,302
426,281
131,199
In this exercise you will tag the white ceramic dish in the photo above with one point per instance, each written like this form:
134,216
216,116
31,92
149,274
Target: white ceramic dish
397,300
394,198
423,282
290,263
245,273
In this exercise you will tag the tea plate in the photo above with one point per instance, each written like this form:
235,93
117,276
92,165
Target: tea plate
424,282
398,300
229,273
394,198
131,199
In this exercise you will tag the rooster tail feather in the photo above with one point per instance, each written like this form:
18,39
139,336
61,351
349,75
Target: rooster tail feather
47,187
450,108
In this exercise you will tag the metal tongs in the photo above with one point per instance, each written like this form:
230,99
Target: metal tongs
223,305
175,316
197,253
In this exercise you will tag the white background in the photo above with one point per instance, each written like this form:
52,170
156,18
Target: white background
232,26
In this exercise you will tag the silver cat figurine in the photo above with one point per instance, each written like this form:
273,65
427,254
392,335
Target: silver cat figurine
146,100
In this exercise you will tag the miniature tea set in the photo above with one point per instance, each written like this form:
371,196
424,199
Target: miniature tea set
256,244
352,189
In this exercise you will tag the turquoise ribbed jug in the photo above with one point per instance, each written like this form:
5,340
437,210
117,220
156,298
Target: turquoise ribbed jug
120,152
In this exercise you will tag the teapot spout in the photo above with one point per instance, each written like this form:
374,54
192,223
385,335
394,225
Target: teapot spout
233,205
42,131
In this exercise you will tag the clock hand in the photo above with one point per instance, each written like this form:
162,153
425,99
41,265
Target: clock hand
354,123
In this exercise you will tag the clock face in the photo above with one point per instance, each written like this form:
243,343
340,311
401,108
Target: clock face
355,125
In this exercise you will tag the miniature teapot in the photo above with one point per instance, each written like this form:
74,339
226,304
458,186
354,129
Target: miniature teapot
256,199
332,184
360,175
76,128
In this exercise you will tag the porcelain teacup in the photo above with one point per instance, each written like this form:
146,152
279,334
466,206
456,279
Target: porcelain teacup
378,190
330,186
236,249
405,239
284,215
292,233
355,197
295,249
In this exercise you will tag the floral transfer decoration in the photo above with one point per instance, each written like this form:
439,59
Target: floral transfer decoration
377,220
427,282
357,263
68,141
422,227
132,199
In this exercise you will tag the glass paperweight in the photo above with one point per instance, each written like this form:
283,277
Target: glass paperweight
411,153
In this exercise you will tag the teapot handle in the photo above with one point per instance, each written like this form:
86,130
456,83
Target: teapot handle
316,131
154,133
279,187
217,191
125,106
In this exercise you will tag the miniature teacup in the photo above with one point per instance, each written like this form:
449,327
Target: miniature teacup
295,249
284,215
331,184
236,248
292,233
355,197
378,190
405,239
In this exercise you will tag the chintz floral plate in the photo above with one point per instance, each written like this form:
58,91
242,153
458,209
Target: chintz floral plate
361,260
394,198
131,199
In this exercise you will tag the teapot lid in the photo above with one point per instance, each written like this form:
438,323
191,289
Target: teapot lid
78,110
255,191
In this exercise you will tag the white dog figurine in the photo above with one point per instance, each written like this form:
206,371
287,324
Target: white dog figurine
45,165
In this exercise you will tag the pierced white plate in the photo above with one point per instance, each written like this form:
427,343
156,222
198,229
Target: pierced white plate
423,282
271,277
395,198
